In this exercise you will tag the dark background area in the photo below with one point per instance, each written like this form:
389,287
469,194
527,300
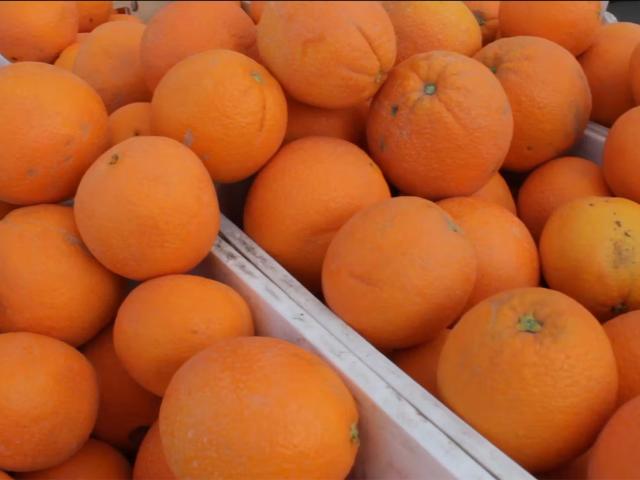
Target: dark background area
625,11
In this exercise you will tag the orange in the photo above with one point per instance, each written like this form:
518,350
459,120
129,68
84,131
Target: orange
151,463
634,73
507,255
126,409
53,127
623,333
571,24
147,208
496,191
399,272
109,60
95,461
533,372
182,29
255,9
304,195
49,400
426,26
5,208
606,65
555,183
280,412
590,250
68,56
36,31
49,283
124,17
4,476
440,126
621,156
132,120
576,469
548,93
93,13
486,13
327,54
225,107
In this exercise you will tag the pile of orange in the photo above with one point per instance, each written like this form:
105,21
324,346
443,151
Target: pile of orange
410,163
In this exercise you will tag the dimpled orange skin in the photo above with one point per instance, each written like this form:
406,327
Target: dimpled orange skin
634,73
426,26
623,332
606,65
532,371
606,231
280,412
93,13
440,126
621,156
215,101
147,208
109,61
132,120
399,272
49,283
48,401
96,460
292,214
151,463
486,13
327,54
496,191
53,127
555,183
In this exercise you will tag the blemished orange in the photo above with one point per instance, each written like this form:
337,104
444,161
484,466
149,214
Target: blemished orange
621,155
606,65
226,107
109,61
151,463
5,208
623,332
124,17
427,26
291,212
548,93
421,362
165,321
327,54
92,13
506,253
49,283
496,191
147,208
440,126
96,460
399,272
53,127
255,9
126,409
36,31
571,24
346,123
304,424
555,183
49,401
486,13
132,120
634,73
532,361
590,250
67,58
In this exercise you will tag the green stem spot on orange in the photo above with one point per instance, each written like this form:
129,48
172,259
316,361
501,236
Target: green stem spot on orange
493,68
479,17
430,88
114,159
354,434
619,309
529,323
394,110
257,77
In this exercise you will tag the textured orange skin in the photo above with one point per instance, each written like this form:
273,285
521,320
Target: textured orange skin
327,54
255,9
92,14
53,127
292,214
49,400
590,250
182,29
571,24
427,26
606,65
280,412
109,60
540,397
5,208
399,272
36,31
447,143
634,74
125,407
621,156
486,13
124,17
224,106
49,283
506,253
623,332
496,191
151,463
167,320
421,362
96,460
555,183
68,57
132,120
147,208
548,93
